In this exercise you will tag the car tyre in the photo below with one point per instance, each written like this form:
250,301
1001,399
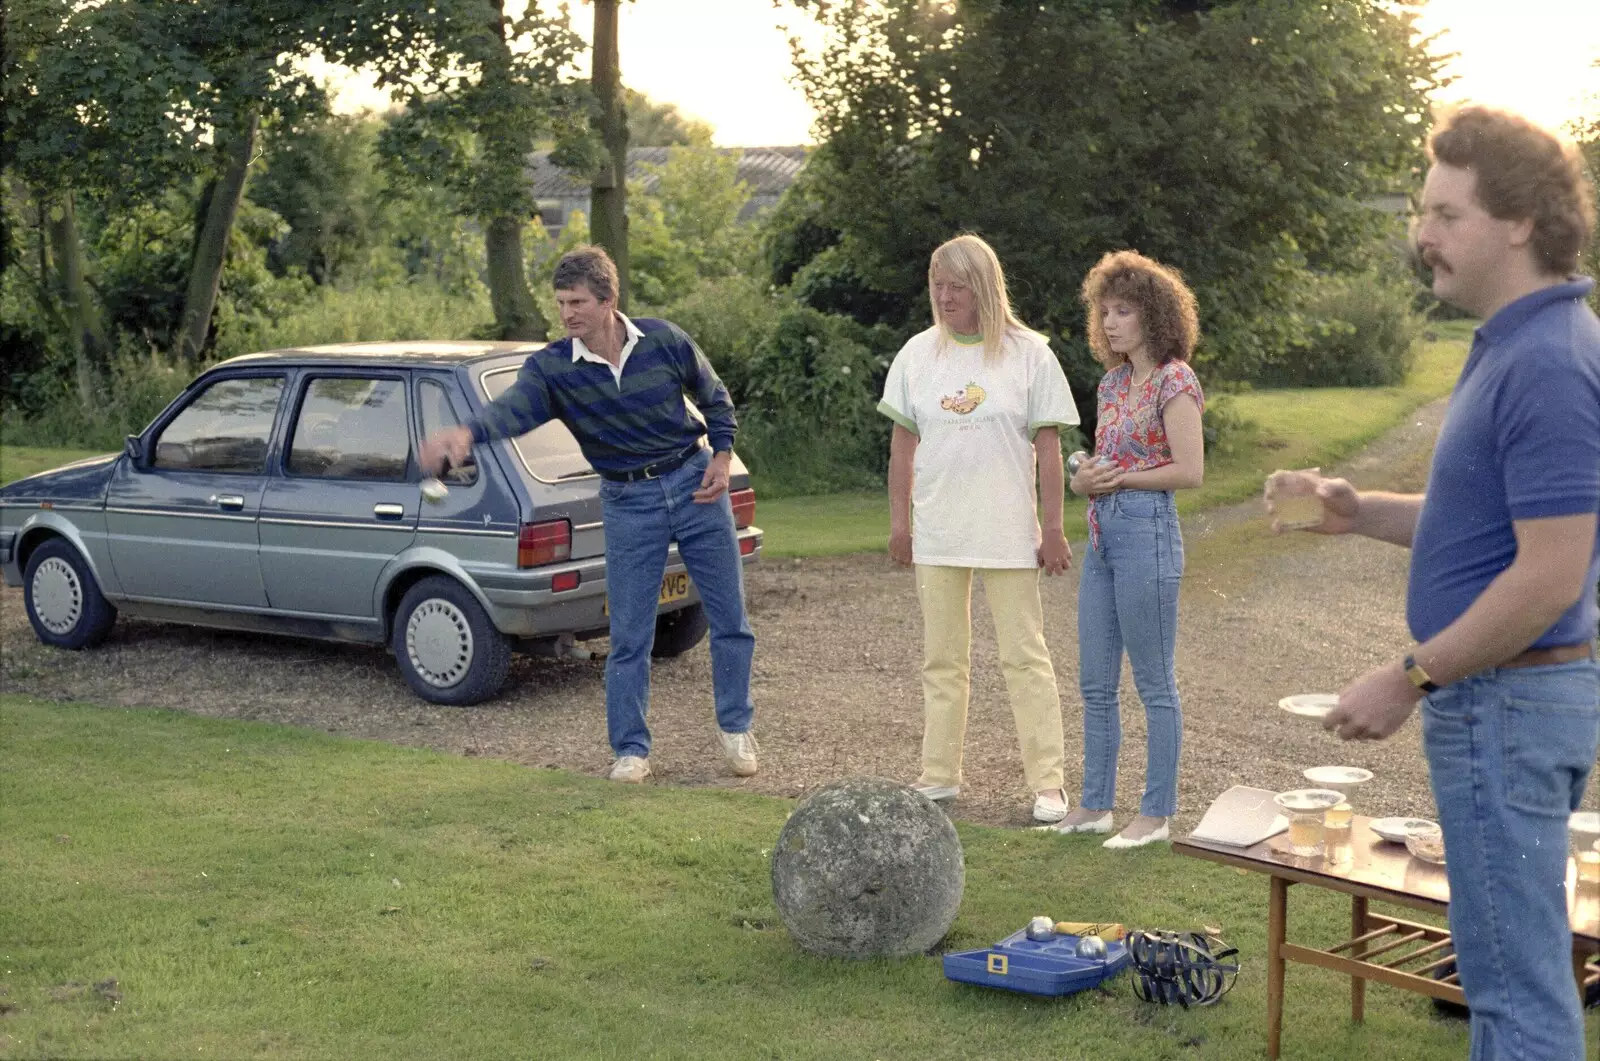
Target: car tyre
63,598
677,632
448,650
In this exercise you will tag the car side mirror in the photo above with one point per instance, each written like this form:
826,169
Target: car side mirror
133,446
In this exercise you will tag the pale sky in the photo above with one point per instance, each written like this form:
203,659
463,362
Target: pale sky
727,62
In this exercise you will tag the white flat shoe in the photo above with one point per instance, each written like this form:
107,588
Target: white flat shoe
938,793
1121,842
1101,824
1049,808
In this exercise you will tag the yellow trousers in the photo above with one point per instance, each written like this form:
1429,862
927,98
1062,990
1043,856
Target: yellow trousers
1013,596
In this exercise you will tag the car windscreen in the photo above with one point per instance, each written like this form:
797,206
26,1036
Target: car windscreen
549,451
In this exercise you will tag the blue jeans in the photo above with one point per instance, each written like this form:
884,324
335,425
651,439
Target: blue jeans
642,519
1509,751
1128,599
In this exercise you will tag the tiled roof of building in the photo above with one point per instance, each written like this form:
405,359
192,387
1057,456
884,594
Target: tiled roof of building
767,170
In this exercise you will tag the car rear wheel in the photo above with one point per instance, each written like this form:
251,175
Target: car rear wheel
448,650
677,632
64,601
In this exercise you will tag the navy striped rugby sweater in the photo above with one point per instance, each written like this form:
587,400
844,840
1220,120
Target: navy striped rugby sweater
619,429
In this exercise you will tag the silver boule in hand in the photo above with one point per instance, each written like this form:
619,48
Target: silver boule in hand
434,490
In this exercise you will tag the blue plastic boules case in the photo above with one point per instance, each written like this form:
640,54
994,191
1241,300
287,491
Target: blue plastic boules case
1035,967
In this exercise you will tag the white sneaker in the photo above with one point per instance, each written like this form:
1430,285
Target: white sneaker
1121,841
1101,824
740,748
937,793
632,769
1051,807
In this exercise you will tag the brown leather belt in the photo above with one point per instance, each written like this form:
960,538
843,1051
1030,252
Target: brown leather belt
1544,657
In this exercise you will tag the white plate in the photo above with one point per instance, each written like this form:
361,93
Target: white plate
1337,777
1394,830
1310,705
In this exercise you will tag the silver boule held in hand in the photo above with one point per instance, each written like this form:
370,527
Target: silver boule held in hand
434,490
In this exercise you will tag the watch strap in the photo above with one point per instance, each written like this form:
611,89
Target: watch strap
1418,676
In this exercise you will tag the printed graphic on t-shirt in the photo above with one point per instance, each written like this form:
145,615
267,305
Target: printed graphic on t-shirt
964,400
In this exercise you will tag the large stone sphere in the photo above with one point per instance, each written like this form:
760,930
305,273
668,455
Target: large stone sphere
867,868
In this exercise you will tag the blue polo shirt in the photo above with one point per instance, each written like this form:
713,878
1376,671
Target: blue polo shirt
1521,441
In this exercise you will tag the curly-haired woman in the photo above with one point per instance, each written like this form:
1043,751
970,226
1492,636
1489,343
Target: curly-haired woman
978,403
1142,327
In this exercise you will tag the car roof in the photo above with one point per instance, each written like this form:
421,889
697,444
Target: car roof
440,352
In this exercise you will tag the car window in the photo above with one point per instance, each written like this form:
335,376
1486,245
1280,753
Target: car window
352,428
224,429
437,413
549,451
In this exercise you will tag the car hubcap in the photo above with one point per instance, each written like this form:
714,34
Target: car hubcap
57,596
439,642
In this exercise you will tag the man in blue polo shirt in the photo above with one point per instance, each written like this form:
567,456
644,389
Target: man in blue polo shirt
1501,599
619,385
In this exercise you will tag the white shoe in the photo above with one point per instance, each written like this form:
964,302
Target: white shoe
740,748
937,793
632,769
1050,807
1101,824
1121,841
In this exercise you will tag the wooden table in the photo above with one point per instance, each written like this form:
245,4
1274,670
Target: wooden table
1380,947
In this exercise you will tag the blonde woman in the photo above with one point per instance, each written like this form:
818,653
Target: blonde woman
978,402
1143,326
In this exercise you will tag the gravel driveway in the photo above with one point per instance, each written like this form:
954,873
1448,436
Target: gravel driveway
836,684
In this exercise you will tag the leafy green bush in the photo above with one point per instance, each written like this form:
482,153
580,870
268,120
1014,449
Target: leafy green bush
811,403
137,383
332,315
729,318
1360,333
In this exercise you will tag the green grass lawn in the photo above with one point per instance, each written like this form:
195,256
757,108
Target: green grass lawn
260,891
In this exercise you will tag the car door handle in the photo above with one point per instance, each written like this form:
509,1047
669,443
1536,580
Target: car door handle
388,511
230,502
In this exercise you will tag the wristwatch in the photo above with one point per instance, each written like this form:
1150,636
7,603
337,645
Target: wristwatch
1418,676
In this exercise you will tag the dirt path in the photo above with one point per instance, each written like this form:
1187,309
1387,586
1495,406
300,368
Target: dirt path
836,682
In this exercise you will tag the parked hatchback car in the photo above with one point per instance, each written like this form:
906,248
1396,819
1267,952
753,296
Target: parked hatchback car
280,493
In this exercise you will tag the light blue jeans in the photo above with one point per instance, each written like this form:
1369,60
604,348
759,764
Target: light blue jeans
642,519
1128,599
1509,751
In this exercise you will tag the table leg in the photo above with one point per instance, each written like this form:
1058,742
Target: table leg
1358,928
1277,927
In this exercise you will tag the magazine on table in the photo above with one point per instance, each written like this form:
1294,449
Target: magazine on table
1240,817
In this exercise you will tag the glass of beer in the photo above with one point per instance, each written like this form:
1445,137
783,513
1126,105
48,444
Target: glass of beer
1337,825
1305,808
1295,503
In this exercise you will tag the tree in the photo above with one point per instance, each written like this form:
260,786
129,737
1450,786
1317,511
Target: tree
1233,140
652,124
123,99
608,194
480,89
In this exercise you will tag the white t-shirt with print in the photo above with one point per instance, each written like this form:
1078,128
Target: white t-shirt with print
973,502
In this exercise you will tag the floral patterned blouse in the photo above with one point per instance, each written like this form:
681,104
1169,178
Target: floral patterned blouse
1130,430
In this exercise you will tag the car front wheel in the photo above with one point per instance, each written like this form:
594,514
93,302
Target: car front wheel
448,650
64,601
677,632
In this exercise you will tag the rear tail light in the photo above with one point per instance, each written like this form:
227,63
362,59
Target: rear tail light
565,581
744,507
747,545
544,543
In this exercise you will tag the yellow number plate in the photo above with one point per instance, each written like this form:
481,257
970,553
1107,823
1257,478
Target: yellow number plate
674,587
